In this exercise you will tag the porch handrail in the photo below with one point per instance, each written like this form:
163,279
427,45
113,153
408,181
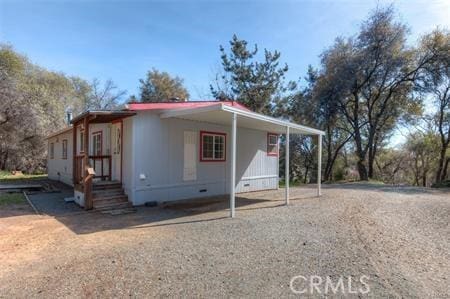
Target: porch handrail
101,158
87,188
101,173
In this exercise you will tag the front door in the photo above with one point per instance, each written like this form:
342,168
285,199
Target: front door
116,155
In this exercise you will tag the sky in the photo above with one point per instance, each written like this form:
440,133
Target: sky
121,40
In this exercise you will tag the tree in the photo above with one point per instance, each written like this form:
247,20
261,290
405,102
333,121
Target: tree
38,98
423,151
161,87
374,74
248,81
392,165
104,97
312,106
434,81
337,131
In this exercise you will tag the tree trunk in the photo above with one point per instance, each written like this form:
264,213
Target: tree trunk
328,170
370,164
362,170
439,174
424,179
445,170
329,163
372,155
4,161
306,175
361,154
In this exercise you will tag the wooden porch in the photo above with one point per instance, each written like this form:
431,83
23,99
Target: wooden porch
88,167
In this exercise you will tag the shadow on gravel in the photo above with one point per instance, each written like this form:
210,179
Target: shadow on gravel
185,211
173,213
145,217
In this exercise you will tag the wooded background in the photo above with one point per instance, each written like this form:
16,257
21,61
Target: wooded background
368,87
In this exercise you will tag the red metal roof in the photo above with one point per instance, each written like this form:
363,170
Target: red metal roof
181,105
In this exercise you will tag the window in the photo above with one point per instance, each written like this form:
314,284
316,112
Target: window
97,143
52,150
117,141
212,146
272,144
64,149
81,141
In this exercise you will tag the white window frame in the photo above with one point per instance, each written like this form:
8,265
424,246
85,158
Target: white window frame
214,158
97,143
64,145
271,144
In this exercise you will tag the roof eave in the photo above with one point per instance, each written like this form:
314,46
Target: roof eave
222,107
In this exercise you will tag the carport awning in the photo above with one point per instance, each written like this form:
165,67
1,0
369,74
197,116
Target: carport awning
221,114
231,116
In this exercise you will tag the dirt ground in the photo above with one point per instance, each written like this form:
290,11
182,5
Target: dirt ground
398,237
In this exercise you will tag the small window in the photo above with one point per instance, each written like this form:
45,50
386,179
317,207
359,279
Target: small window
97,143
272,144
212,146
52,150
81,141
117,141
64,149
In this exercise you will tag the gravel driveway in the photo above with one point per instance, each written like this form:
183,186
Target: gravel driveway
398,237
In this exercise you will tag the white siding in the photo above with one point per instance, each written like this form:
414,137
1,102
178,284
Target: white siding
158,154
60,169
127,156
255,169
155,149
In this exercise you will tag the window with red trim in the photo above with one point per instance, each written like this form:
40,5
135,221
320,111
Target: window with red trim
272,144
212,146
64,149
97,143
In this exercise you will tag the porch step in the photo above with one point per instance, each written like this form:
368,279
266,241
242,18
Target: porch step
106,185
110,199
108,196
107,193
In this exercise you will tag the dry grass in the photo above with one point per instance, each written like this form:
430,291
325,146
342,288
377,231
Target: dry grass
8,177
11,198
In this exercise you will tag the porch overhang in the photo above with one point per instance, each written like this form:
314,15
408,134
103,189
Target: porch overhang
102,116
220,114
83,172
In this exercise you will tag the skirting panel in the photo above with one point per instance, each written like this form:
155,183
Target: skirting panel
257,184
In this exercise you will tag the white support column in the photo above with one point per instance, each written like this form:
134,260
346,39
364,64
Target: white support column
319,164
286,173
233,165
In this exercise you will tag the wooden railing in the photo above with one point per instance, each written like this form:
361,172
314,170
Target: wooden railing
98,163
